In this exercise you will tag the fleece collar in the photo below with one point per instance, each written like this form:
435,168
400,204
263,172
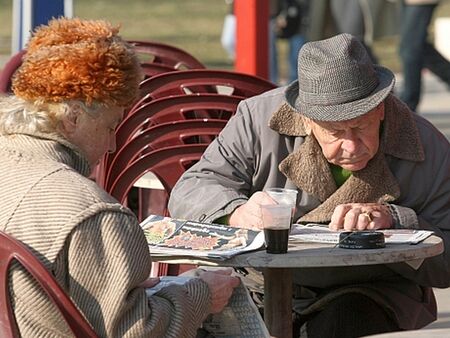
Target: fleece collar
308,169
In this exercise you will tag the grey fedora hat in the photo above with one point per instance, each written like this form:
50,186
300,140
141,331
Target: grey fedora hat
337,81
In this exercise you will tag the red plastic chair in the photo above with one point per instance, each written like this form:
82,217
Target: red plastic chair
12,249
157,52
160,136
173,108
168,109
152,69
8,71
202,80
168,164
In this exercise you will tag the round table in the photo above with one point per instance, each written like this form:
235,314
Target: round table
278,269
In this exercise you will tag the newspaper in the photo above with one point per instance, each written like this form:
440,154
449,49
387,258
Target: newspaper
239,319
168,236
320,233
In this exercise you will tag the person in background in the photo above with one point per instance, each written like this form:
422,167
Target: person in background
228,35
416,52
359,159
348,16
69,95
289,21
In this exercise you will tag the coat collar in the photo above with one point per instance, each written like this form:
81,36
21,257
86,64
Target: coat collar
46,146
308,169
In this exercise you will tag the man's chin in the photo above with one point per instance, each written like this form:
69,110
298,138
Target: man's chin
354,166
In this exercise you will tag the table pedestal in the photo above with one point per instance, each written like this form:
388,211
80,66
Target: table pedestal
278,302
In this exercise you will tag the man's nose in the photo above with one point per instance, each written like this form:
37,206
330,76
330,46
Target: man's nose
350,144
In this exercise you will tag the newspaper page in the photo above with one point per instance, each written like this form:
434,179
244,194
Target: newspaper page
320,233
168,236
239,319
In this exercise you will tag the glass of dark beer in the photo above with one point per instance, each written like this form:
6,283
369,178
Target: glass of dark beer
276,224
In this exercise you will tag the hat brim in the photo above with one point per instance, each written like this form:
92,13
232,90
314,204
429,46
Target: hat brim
345,111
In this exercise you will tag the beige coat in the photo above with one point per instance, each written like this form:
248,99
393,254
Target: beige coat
93,246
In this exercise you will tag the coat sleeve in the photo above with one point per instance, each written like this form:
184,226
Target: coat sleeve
108,258
222,179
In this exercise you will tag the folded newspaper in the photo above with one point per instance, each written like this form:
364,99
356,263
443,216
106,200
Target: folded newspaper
320,233
168,236
239,319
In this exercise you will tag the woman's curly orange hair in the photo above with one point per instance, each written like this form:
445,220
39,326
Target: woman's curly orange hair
75,59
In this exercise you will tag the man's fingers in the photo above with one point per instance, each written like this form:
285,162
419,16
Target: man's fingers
364,221
338,217
351,219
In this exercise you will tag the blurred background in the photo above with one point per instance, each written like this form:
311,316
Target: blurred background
193,25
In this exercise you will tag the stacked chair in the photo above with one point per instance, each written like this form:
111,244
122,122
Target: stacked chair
182,107
167,55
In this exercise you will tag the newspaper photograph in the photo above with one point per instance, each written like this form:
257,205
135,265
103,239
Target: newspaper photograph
166,235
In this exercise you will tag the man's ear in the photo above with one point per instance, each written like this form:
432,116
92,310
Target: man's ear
307,125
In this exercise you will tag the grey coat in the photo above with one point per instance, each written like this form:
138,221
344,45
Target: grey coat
265,145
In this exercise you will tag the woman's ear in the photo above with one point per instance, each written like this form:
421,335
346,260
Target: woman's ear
70,121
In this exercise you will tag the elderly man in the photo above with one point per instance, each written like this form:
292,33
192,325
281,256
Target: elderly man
359,159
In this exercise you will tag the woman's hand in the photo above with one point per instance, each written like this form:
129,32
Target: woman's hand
361,216
221,286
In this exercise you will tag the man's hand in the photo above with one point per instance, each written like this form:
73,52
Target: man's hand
221,286
248,215
361,216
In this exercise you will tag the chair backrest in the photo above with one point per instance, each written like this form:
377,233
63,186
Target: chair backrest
152,69
160,136
168,109
157,52
168,164
12,249
202,80
8,70
173,108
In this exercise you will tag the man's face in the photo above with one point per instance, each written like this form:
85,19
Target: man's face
350,144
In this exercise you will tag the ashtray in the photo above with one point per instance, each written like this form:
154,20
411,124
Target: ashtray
361,240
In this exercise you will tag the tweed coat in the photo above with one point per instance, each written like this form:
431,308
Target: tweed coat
265,145
93,246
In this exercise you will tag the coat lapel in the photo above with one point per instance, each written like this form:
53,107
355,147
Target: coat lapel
310,172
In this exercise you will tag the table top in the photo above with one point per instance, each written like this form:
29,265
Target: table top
302,255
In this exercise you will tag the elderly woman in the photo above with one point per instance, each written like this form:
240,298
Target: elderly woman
70,93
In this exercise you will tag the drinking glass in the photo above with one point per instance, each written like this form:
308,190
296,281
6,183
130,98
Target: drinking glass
276,220
284,196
